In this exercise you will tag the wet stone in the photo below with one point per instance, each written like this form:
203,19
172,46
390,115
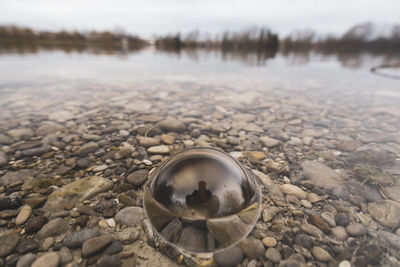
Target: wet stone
82,163
341,192
87,148
54,227
23,215
3,159
10,202
321,254
35,224
356,229
273,255
26,260
130,216
137,178
303,240
27,245
49,259
95,244
387,212
108,261
113,248
342,219
172,125
7,244
76,239
269,242
340,233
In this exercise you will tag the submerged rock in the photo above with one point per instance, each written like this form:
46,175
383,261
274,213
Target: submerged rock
76,192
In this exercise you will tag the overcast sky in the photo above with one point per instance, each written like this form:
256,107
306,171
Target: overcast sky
149,17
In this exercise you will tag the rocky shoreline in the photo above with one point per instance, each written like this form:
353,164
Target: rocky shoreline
72,175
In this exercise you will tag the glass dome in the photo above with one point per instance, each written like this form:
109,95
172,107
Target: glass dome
202,200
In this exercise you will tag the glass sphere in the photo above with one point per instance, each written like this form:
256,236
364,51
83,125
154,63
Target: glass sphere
202,200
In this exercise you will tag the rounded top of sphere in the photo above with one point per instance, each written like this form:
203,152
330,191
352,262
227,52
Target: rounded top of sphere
199,192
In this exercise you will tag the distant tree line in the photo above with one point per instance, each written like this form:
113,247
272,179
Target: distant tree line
14,35
361,37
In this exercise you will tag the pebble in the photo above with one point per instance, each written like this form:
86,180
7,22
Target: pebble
127,235
303,240
269,213
26,260
23,215
321,254
27,245
54,227
305,203
344,264
172,125
328,218
10,202
7,244
386,212
3,159
95,244
113,248
161,149
313,198
252,248
229,257
342,219
82,163
87,148
108,261
293,190
65,255
269,142
340,233
356,229
76,239
168,139
137,178
100,168
341,192
130,216
269,242
48,242
49,259
311,230
273,255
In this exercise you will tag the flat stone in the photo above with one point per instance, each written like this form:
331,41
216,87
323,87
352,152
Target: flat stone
3,159
273,255
172,125
5,139
108,261
77,192
76,239
27,245
148,141
321,175
229,257
168,139
137,178
356,229
311,230
23,215
269,213
6,214
7,244
87,148
130,216
328,218
95,244
16,177
35,224
349,146
269,142
252,248
49,127
20,133
321,254
340,233
36,151
49,259
386,212
269,242
54,227
26,260
289,189
162,149
393,239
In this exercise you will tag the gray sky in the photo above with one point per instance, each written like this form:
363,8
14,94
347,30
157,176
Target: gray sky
147,17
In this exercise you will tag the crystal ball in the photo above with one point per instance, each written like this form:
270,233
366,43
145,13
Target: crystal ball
202,200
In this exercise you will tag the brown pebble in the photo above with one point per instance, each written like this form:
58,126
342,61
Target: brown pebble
69,206
317,221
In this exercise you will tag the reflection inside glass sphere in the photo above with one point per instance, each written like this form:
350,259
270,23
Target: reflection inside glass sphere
202,200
